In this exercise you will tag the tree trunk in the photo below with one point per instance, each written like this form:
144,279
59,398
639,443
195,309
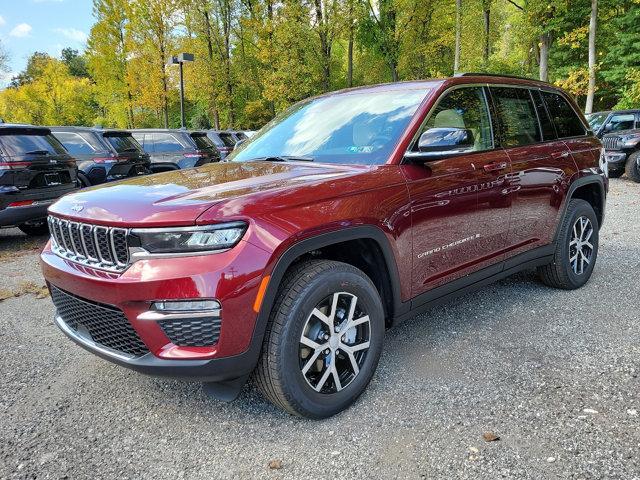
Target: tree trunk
593,22
456,60
487,49
545,44
350,48
214,102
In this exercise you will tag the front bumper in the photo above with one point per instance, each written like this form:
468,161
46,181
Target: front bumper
615,160
231,277
10,216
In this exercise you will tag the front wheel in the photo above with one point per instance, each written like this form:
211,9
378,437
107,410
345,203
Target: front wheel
576,248
632,167
323,340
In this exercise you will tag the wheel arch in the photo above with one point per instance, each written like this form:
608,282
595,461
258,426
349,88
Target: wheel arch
326,245
592,190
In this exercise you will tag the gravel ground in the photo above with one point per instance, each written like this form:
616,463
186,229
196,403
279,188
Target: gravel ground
554,374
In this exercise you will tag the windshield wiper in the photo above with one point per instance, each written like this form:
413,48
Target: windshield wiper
285,158
37,152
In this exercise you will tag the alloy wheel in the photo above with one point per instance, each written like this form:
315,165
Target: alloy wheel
580,246
334,343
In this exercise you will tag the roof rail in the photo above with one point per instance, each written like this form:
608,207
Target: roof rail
484,74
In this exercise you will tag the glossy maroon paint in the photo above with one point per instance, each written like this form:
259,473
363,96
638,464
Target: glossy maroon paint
499,211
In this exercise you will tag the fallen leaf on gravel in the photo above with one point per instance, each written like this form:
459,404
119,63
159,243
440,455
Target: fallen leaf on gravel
473,450
490,437
275,464
4,294
590,410
40,291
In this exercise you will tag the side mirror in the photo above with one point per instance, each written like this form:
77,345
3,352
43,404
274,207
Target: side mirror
442,142
608,127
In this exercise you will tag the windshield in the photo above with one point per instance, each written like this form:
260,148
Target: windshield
353,128
596,120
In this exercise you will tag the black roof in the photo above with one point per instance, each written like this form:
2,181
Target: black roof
167,130
73,128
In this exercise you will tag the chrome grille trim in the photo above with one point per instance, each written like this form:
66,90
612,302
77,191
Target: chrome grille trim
611,143
95,246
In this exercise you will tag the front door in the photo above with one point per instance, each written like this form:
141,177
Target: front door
452,235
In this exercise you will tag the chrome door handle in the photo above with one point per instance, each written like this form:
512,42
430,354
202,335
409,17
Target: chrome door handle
492,167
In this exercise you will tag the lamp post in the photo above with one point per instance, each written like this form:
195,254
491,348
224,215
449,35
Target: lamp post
179,60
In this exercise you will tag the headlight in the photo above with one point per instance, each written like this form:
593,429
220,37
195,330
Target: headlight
205,238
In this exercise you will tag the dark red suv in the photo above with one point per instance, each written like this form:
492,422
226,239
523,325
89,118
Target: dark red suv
343,216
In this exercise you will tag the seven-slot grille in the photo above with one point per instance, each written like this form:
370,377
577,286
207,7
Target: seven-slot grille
104,324
611,143
92,245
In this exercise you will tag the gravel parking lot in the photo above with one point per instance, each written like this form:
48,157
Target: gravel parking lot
553,374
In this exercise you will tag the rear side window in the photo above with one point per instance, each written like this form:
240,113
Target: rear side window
78,144
123,143
35,144
548,130
518,122
202,142
167,143
567,122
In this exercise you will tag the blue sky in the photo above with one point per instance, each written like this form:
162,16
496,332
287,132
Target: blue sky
48,26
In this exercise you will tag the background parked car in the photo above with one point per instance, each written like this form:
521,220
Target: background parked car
35,170
103,155
622,152
614,121
176,149
225,141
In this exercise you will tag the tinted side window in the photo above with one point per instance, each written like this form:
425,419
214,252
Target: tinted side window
548,130
228,139
140,138
621,122
464,108
215,138
516,116
166,143
202,141
123,143
75,143
567,122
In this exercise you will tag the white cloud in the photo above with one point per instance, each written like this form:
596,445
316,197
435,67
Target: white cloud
21,30
3,22
72,34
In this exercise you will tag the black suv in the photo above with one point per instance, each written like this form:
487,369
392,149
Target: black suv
103,155
176,149
224,141
35,170
622,152
613,121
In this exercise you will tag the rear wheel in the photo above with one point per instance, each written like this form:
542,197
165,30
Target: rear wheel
323,341
35,228
576,248
632,168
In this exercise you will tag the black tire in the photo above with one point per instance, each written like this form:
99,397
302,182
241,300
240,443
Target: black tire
35,228
83,182
279,373
616,173
632,168
560,272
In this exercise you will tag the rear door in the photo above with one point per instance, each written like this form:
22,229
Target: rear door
541,165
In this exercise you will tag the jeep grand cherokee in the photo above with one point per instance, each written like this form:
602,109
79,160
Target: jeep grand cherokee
346,214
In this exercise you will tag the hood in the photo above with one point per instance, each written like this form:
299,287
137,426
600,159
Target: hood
180,197
624,133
